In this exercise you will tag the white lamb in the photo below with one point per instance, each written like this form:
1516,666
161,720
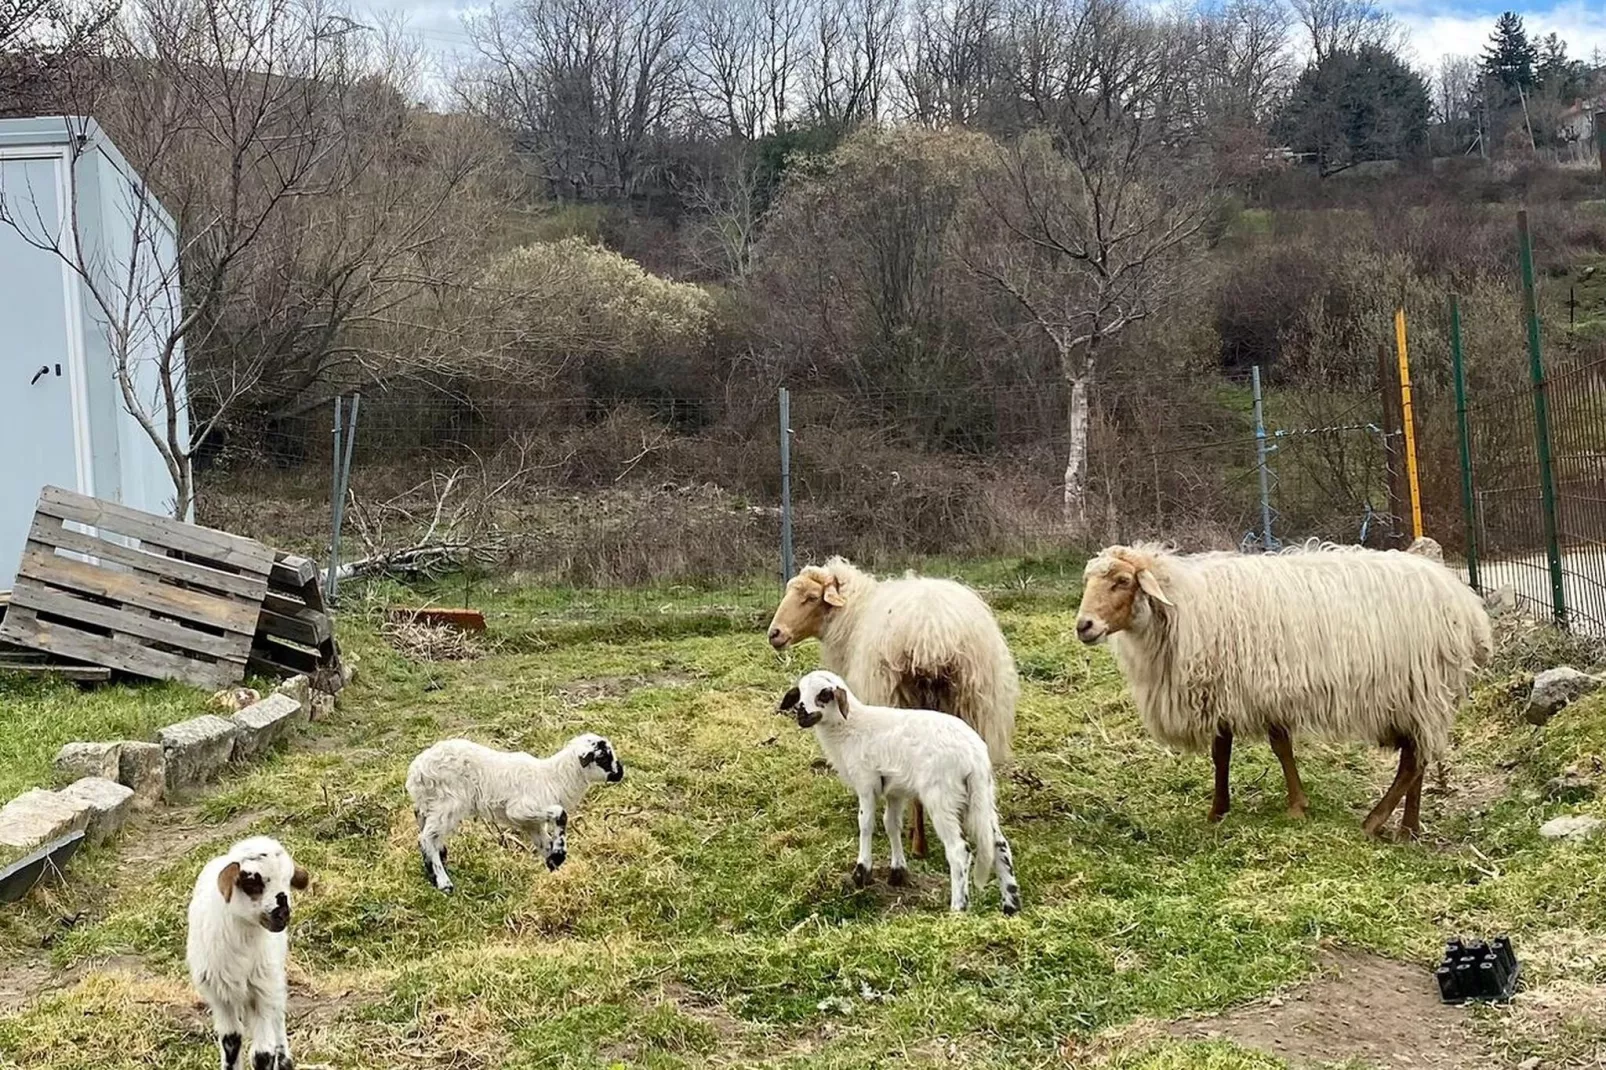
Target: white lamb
237,948
458,779
898,755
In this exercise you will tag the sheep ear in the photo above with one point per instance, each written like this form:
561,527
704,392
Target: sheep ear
1151,587
226,879
789,700
833,596
299,879
842,702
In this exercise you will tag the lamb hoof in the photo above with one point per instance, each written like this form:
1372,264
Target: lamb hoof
861,875
1296,813
555,859
1215,816
1011,908
1408,835
897,877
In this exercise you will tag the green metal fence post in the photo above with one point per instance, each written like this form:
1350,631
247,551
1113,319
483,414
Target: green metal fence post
1468,485
1536,370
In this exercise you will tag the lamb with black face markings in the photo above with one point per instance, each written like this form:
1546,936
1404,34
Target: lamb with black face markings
238,945
897,755
457,779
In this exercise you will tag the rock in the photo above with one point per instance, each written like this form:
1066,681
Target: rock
1571,787
322,705
262,724
77,760
1423,546
109,804
38,816
1555,688
1531,1063
1571,827
195,750
142,767
298,688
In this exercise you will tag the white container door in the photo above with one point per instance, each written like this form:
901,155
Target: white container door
38,439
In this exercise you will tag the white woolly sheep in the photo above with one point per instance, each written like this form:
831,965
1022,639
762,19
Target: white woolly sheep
458,779
916,642
902,754
237,947
1340,642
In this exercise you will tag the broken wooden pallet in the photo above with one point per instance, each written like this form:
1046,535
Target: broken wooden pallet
170,600
294,631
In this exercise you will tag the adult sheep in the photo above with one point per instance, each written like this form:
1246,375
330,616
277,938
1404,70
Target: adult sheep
918,643
1342,642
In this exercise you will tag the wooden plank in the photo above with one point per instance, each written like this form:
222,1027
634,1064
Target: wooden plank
45,566
288,659
245,554
284,603
43,599
116,652
292,571
468,620
78,674
304,626
49,531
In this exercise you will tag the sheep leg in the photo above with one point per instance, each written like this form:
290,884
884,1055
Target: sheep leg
957,852
1410,771
1004,867
892,822
432,845
917,839
861,869
1411,818
1221,755
1283,746
229,1030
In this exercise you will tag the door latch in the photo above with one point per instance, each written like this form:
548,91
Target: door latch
43,371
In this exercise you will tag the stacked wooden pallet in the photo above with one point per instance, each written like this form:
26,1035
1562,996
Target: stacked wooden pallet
103,587
294,631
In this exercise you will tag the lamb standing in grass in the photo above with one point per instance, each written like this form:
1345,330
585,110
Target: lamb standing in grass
1341,642
457,779
898,755
917,642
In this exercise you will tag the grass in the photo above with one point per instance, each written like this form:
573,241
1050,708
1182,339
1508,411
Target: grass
705,918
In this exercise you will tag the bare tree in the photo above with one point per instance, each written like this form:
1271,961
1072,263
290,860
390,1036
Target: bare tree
1345,25
584,85
951,74
854,46
1102,201
744,56
1244,61
38,40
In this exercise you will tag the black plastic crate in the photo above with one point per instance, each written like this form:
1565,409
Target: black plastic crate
1475,970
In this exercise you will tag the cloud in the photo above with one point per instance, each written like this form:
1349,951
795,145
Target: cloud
1446,29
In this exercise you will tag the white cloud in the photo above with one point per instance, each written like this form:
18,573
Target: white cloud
1437,31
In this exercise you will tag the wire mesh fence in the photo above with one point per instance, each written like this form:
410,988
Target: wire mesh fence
658,507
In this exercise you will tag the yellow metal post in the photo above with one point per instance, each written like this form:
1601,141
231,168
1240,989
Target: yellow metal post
1409,423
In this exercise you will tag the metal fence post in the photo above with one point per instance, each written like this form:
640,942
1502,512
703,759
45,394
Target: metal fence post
1600,140
343,487
1408,424
1260,463
786,485
1536,371
1468,494
334,504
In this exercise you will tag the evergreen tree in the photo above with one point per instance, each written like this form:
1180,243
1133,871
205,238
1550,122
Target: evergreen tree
1511,59
1560,77
1355,106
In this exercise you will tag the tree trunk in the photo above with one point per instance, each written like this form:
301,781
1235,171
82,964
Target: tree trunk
1076,458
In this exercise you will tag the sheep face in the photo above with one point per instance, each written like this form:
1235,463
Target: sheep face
598,759
256,887
1117,587
815,695
810,597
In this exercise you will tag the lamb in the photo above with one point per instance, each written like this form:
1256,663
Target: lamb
901,754
237,948
1342,642
457,779
916,642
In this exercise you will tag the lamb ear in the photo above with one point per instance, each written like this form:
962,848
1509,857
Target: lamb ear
226,878
789,700
299,879
842,702
1151,587
833,596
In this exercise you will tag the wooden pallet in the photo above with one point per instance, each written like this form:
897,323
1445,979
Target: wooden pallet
181,604
294,631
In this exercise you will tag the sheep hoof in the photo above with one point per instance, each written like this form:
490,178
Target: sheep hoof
897,876
1215,816
861,875
447,889
555,859
1011,907
1297,812
1408,834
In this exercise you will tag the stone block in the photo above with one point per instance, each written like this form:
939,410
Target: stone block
262,724
194,751
109,803
39,816
142,767
78,760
